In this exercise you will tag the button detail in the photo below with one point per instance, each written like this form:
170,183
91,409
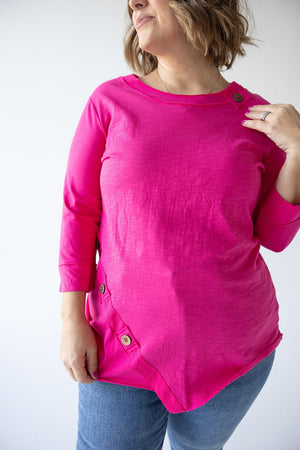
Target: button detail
102,288
126,339
238,97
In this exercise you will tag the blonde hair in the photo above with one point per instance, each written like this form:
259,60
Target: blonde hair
217,28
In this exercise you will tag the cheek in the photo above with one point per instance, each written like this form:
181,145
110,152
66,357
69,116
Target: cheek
168,25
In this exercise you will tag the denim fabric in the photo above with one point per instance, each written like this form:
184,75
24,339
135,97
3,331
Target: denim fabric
117,417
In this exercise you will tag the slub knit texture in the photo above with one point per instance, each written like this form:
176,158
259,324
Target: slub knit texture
175,197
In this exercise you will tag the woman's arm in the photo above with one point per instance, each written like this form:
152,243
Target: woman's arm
81,212
288,180
73,305
276,219
81,217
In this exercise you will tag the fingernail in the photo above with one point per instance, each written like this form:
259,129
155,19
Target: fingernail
96,374
243,121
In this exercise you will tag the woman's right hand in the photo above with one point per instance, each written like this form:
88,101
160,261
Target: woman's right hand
78,350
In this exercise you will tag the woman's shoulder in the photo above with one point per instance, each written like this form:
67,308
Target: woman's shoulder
106,87
256,98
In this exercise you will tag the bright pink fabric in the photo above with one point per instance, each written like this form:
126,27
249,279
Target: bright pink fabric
179,196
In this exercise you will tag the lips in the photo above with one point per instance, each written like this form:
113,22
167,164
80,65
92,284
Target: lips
142,19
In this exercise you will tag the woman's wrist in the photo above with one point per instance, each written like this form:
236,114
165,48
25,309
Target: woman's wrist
73,305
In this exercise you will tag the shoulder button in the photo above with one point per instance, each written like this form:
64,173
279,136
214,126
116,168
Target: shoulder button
102,288
238,97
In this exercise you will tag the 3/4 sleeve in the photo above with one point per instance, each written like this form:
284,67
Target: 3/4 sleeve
81,210
276,221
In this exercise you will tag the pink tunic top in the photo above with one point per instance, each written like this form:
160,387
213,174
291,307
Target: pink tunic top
167,199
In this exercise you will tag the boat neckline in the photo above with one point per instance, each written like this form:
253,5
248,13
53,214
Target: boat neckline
134,81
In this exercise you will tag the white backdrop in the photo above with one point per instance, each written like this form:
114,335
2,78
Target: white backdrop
53,55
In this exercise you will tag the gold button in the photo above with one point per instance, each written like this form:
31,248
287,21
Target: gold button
238,97
102,288
126,339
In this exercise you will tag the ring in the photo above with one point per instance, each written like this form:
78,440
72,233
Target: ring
264,114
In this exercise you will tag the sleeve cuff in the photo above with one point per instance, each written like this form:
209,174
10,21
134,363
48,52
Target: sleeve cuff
279,210
77,277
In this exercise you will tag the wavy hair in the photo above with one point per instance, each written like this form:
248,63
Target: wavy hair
217,28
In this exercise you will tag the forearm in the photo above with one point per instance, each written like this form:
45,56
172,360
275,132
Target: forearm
73,305
288,180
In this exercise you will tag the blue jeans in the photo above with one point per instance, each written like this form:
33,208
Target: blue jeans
116,417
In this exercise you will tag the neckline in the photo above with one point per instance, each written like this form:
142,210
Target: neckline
215,97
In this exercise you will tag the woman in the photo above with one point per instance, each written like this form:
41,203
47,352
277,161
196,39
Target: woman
176,191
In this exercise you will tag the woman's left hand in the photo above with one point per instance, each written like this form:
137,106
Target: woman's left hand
282,125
